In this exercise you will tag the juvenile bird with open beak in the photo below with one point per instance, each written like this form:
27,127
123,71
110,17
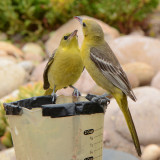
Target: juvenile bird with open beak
106,71
64,67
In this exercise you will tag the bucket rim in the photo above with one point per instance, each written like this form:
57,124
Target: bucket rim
53,110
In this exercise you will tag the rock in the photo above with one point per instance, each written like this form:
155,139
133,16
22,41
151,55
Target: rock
37,74
28,66
33,52
45,37
7,56
151,152
140,49
36,58
145,110
96,90
112,138
11,76
7,49
142,71
12,95
85,83
3,36
4,55
8,154
154,24
133,79
155,81
73,24
120,56
2,147
32,48
137,32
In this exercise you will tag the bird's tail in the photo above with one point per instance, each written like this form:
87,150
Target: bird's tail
48,92
123,104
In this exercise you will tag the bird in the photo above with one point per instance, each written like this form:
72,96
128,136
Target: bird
105,69
64,67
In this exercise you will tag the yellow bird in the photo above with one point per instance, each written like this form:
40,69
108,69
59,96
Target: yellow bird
104,68
64,66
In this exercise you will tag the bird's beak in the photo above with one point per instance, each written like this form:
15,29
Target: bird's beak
74,33
79,19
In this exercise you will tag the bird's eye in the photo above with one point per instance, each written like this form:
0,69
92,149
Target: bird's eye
84,25
65,37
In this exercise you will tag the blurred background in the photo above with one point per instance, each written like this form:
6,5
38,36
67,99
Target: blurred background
30,30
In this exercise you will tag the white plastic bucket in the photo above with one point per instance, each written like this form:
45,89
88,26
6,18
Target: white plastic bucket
51,132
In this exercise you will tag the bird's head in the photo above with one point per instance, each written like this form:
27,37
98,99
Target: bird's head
91,29
69,39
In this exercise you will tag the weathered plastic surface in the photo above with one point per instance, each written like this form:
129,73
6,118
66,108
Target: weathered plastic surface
62,108
66,131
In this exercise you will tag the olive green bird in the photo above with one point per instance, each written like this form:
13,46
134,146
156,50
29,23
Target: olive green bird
64,67
104,68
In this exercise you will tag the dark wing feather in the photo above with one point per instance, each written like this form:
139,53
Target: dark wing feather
46,84
107,63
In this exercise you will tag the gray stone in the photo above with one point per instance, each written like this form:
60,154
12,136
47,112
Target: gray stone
7,57
151,152
32,48
9,50
137,32
156,81
8,154
133,79
13,94
28,66
11,76
154,23
145,113
37,74
142,71
3,36
33,52
139,49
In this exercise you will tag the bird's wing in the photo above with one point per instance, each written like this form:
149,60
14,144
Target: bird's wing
46,84
108,64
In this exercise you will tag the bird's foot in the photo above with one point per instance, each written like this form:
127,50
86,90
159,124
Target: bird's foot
54,97
76,93
100,99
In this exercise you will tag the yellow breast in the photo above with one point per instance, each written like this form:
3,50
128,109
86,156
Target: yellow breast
66,68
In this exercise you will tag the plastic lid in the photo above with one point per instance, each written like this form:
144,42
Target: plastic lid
53,110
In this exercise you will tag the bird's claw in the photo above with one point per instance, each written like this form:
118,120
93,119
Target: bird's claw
100,99
54,97
76,93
